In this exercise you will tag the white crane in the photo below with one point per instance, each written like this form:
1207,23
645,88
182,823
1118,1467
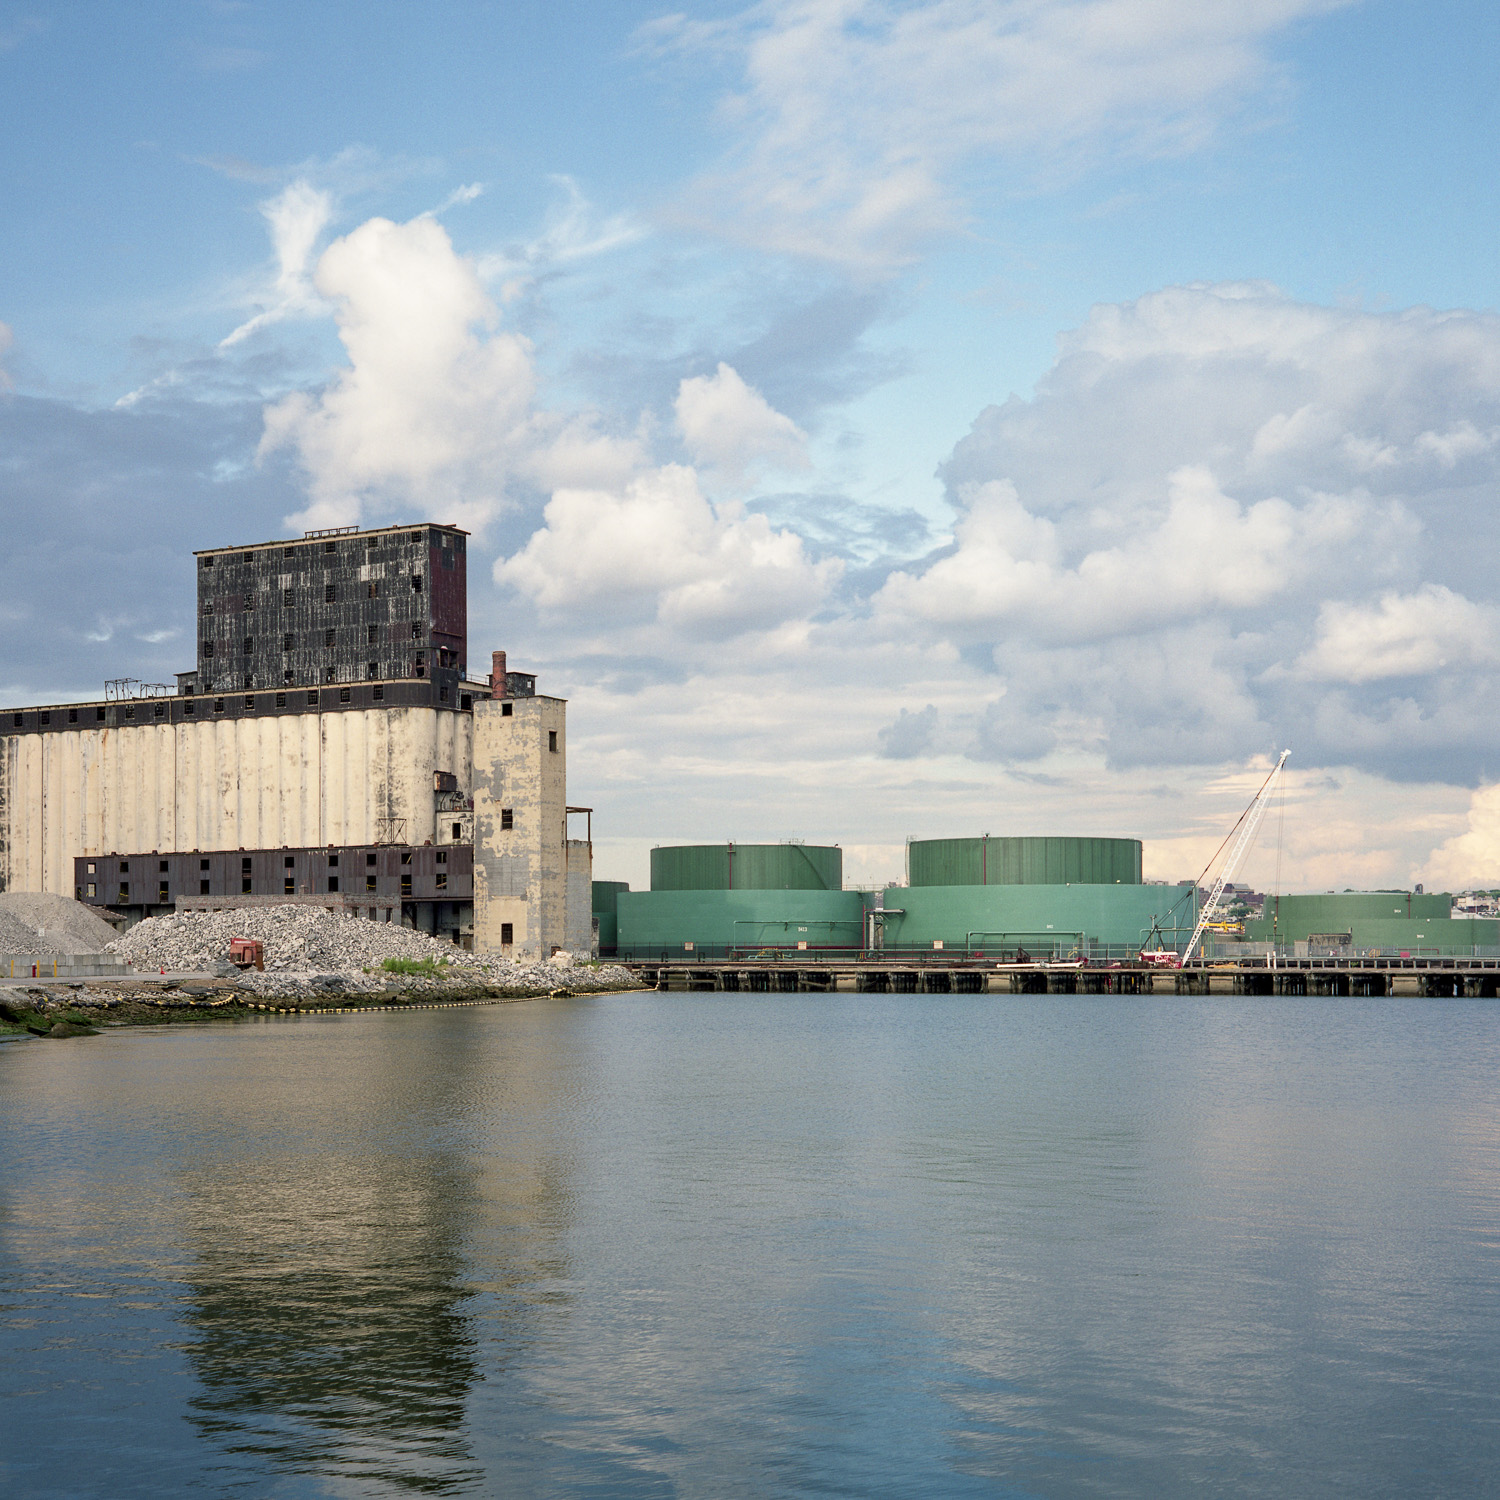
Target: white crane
1248,824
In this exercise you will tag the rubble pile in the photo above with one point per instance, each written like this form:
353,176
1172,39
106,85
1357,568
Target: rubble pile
310,950
43,924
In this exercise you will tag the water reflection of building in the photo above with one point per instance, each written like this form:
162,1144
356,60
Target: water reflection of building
346,1221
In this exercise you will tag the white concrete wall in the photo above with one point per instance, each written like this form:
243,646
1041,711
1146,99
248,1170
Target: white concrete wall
520,873
579,936
296,780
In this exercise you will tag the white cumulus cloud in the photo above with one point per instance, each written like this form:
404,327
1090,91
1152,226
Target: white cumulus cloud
657,551
1402,635
435,404
731,428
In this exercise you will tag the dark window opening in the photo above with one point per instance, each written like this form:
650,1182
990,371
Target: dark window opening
330,546
416,536
124,893
281,700
202,887
289,886
218,705
329,675
330,593
333,861
244,885
369,882
374,669
208,606
458,830
406,857
73,715
249,704
188,709
161,892
507,818
202,864
99,714
369,859
312,699
286,643
287,551
466,701
249,645
20,719
442,857
442,880
160,711
286,597
374,634
129,714
416,583
208,562
379,693
208,648
552,739
343,695
328,637
290,861
161,866
248,557
507,934
47,718
375,590
333,883
124,866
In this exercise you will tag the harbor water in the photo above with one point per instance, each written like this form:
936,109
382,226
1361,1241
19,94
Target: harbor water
724,1245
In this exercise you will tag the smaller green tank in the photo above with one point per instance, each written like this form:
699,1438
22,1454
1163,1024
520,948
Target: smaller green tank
747,867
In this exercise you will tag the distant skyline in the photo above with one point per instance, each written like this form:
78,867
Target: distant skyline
879,420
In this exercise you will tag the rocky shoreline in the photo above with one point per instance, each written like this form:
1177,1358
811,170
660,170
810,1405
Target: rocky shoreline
71,1008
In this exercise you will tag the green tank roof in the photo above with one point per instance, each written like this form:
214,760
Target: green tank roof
747,867
1024,861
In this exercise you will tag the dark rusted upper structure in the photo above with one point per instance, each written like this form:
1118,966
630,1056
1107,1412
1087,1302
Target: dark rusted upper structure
341,606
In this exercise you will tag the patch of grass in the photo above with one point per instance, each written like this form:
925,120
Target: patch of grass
427,968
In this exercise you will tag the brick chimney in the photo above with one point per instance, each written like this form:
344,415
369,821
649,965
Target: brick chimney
497,674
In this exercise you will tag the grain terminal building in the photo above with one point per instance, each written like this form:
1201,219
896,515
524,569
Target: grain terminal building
329,746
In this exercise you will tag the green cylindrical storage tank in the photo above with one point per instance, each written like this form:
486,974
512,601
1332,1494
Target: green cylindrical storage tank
747,867
1024,861
606,909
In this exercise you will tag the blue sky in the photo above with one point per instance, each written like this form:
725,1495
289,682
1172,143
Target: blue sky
880,420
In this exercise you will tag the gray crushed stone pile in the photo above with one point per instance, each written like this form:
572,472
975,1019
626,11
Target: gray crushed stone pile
309,950
44,924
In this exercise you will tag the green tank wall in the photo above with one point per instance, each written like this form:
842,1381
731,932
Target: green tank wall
606,895
1336,911
1023,861
747,867
1457,935
1036,915
657,922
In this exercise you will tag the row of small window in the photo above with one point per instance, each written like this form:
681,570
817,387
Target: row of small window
371,543
330,638
289,598
289,887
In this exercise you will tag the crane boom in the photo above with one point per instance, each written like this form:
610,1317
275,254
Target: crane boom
1249,823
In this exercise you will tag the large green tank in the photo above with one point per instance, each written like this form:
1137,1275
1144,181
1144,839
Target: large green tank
1023,861
747,867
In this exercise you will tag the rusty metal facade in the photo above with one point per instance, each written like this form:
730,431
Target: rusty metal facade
333,608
